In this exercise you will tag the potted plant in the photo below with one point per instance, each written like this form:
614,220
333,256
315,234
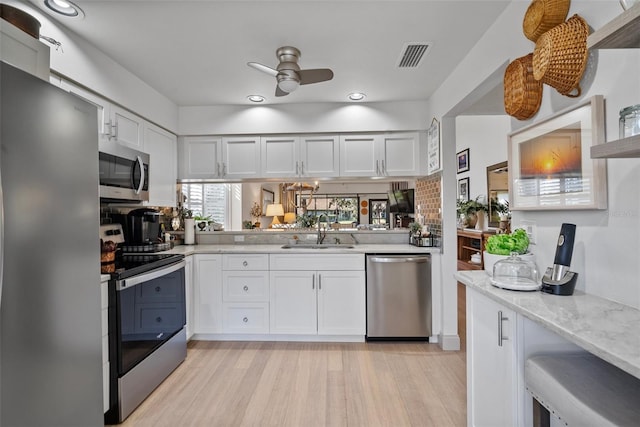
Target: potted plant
306,220
256,212
501,246
470,211
202,221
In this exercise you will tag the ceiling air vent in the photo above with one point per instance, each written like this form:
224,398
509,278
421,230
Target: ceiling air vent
412,54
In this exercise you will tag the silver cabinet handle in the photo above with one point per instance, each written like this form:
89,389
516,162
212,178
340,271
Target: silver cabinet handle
302,167
245,319
319,281
245,263
224,169
107,130
313,281
377,167
245,288
500,336
219,171
382,168
297,168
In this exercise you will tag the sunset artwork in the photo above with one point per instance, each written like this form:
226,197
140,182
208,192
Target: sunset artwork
555,155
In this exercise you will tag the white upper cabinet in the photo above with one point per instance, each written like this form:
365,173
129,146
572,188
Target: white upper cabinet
280,156
400,154
200,157
380,155
358,155
23,51
100,103
311,156
125,127
162,149
241,157
319,156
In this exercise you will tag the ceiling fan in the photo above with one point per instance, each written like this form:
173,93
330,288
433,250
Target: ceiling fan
288,73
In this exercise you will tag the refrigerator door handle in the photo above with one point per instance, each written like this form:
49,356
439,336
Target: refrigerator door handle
1,237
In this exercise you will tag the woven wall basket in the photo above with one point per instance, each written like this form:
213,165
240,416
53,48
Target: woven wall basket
522,92
560,56
543,15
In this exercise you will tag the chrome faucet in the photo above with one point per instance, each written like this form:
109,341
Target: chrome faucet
321,233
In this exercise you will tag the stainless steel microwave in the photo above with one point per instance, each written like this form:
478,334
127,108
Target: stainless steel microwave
124,173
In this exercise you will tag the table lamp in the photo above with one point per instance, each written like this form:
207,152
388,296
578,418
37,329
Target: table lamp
274,210
290,218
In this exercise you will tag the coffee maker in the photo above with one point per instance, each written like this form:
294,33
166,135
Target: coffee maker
143,227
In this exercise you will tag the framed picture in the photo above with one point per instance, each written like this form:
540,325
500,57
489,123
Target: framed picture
550,165
463,160
433,147
267,199
463,189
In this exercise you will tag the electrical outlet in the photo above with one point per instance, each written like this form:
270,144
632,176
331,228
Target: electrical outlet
239,238
531,229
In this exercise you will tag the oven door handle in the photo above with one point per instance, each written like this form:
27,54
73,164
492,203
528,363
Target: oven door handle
136,280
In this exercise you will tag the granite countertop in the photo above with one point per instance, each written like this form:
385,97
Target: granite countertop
266,249
605,328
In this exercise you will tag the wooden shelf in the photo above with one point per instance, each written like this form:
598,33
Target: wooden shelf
620,149
622,32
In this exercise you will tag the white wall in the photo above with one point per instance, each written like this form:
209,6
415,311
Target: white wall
607,254
485,137
84,63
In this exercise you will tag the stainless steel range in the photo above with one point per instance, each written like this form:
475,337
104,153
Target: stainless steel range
147,336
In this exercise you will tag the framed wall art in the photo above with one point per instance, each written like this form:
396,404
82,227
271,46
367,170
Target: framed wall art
463,189
433,147
550,167
267,199
463,160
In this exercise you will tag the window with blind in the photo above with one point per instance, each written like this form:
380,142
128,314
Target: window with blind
211,200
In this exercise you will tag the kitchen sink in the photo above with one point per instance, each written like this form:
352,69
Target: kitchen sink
317,246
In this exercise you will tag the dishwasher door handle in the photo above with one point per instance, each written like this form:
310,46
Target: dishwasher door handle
417,259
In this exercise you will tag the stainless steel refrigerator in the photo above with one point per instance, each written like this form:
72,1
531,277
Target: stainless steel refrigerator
50,323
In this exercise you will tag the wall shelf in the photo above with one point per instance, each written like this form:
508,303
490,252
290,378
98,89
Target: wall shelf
622,32
619,149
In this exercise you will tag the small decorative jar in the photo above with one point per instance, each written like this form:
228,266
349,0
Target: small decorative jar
630,121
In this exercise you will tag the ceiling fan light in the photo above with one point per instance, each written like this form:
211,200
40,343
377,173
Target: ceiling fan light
288,85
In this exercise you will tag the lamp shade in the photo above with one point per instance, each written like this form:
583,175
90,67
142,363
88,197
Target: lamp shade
289,217
275,210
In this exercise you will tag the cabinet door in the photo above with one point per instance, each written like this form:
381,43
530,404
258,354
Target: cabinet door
23,51
292,302
241,157
491,363
207,294
280,156
358,155
319,156
200,157
127,128
188,294
400,154
341,303
162,147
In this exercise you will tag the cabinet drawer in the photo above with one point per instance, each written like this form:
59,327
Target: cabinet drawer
239,286
246,318
245,262
302,262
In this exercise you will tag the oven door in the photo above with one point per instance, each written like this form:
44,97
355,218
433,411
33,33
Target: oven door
150,309
124,174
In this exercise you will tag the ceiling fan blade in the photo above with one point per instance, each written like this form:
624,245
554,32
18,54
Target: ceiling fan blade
280,92
271,71
315,75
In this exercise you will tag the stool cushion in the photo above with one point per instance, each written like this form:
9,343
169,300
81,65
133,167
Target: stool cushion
584,390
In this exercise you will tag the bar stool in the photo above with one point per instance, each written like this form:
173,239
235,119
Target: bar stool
581,390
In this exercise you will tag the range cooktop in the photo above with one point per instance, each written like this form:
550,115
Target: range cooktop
129,265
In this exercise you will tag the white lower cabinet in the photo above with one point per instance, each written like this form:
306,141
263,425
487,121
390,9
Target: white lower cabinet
245,293
207,293
492,369
321,301
188,294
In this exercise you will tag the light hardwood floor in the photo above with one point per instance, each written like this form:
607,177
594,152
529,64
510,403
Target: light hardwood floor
310,384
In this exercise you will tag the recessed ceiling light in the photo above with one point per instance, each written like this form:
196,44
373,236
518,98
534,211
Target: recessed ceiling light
357,96
255,98
64,7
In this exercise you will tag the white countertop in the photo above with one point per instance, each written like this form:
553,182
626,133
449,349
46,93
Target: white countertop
360,248
607,329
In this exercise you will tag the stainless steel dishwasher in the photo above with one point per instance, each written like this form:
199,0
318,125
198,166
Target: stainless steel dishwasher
398,296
